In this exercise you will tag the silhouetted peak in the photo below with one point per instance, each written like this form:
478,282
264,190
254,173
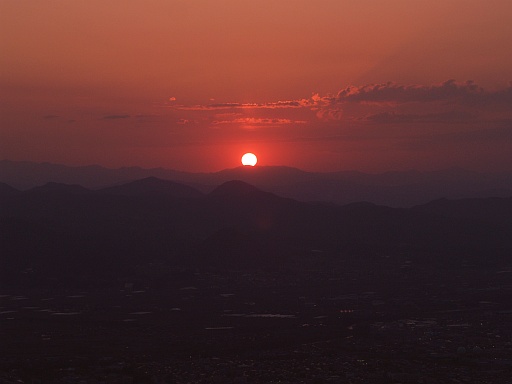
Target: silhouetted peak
154,186
60,187
151,182
235,188
7,190
397,189
275,169
266,175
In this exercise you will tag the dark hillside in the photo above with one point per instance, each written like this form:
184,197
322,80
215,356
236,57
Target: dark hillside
109,232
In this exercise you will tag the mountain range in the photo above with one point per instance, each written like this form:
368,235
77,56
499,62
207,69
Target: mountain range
395,189
60,232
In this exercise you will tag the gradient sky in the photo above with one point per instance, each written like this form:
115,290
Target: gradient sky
370,85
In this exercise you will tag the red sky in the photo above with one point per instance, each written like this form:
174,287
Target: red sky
370,85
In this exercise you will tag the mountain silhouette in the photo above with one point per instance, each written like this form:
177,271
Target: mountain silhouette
395,189
265,176
151,186
6,190
53,187
66,230
490,209
235,188
240,191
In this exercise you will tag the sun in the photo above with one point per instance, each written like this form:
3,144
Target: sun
249,159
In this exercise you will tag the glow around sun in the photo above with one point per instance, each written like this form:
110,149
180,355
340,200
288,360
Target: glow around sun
249,159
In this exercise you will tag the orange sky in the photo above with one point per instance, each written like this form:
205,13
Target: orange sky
320,85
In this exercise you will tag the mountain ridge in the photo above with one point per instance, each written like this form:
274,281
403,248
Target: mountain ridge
152,186
238,226
394,188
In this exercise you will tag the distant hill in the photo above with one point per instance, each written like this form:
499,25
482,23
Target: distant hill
24,174
6,190
490,209
53,187
235,190
395,189
152,186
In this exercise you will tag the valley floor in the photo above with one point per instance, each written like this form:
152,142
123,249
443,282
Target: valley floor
309,325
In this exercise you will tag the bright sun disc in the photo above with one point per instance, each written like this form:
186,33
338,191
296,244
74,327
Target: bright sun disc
249,159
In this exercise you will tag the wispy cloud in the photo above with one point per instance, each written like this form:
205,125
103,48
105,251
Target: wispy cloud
259,121
269,105
450,101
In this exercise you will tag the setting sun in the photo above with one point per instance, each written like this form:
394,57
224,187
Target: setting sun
249,159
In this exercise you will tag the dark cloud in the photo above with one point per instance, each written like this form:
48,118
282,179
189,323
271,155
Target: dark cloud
391,92
499,98
450,101
448,117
